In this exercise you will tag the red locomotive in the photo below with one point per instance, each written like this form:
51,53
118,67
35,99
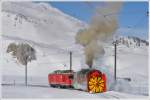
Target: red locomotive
61,79
90,80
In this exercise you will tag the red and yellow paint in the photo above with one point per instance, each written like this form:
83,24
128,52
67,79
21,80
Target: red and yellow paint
96,82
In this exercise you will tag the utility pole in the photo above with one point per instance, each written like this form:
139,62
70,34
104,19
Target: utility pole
70,61
115,59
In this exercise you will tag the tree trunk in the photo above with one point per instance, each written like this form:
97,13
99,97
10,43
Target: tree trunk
26,75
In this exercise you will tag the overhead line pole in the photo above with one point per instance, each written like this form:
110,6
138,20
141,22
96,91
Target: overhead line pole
70,61
115,60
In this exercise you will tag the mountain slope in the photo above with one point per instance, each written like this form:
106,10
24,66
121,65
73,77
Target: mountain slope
132,41
39,22
47,29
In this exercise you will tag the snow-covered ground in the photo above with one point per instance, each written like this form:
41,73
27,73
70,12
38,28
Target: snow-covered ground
47,92
131,63
53,36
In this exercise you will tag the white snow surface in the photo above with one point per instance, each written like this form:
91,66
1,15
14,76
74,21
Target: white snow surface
52,34
47,92
39,22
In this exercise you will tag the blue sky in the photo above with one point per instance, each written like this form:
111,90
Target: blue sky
133,19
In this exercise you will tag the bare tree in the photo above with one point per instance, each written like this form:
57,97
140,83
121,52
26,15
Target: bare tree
24,54
12,48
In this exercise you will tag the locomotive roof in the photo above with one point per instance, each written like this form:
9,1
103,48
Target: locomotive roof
83,71
63,71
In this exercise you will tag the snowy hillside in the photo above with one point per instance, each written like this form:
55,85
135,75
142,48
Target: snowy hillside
52,34
46,28
132,41
38,22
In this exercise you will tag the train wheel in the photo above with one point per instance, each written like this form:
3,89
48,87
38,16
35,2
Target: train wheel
62,86
53,85
96,85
